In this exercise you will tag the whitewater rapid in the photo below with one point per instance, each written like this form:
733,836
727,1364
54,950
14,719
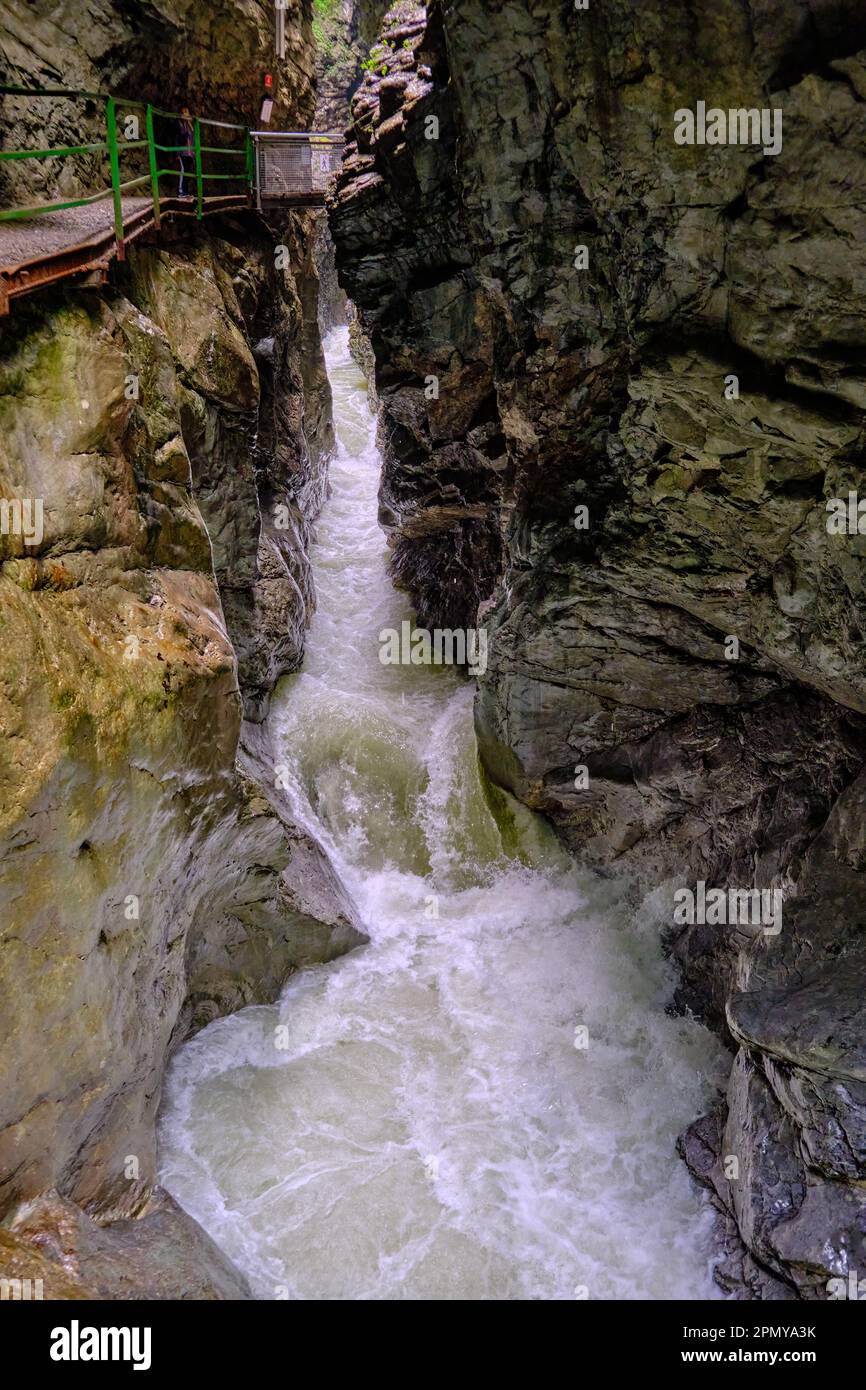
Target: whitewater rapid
425,1117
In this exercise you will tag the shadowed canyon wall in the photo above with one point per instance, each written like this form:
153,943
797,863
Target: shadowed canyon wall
344,31
558,296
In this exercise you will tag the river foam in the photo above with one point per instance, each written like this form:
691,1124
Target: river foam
425,1117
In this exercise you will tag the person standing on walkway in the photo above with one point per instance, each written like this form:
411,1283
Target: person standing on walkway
186,153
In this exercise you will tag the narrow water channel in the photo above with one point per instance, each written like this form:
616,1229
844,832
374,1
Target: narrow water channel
435,1126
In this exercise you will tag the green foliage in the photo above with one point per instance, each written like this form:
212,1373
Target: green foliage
377,61
323,32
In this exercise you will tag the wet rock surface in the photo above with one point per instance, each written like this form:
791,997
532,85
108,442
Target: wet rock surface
254,411
161,1253
176,429
558,296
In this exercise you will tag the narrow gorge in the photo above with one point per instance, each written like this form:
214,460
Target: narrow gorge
331,971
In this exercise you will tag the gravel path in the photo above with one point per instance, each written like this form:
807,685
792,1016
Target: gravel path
52,231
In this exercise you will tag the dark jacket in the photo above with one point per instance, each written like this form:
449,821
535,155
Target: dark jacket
185,135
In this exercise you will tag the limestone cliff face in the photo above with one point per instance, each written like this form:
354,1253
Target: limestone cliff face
522,379
176,430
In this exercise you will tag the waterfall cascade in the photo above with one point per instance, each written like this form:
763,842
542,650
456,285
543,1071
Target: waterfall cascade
426,1117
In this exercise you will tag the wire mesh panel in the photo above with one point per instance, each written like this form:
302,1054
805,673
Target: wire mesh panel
284,168
295,167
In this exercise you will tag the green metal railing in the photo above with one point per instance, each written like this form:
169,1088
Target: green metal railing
116,147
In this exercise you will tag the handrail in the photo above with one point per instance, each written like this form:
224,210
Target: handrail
210,163
114,146
332,135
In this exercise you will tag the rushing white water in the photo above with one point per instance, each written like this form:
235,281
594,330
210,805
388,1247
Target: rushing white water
432,1127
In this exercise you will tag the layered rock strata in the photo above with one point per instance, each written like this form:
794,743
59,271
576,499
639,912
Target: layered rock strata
344,31
620,380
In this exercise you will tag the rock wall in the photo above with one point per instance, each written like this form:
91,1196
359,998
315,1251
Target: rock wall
341,48
344,31
256,424
150,878
171,433
558,296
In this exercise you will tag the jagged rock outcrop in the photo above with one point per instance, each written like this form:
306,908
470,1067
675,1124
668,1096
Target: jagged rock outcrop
558,295
407,268
255,414
160,1253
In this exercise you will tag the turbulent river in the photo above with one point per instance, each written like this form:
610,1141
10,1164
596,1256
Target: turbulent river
437,1124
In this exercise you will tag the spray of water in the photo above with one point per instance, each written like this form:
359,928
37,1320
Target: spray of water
483,1102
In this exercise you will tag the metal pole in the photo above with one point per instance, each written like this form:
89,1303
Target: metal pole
258,156
152,160
198,177
114,156
251,167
